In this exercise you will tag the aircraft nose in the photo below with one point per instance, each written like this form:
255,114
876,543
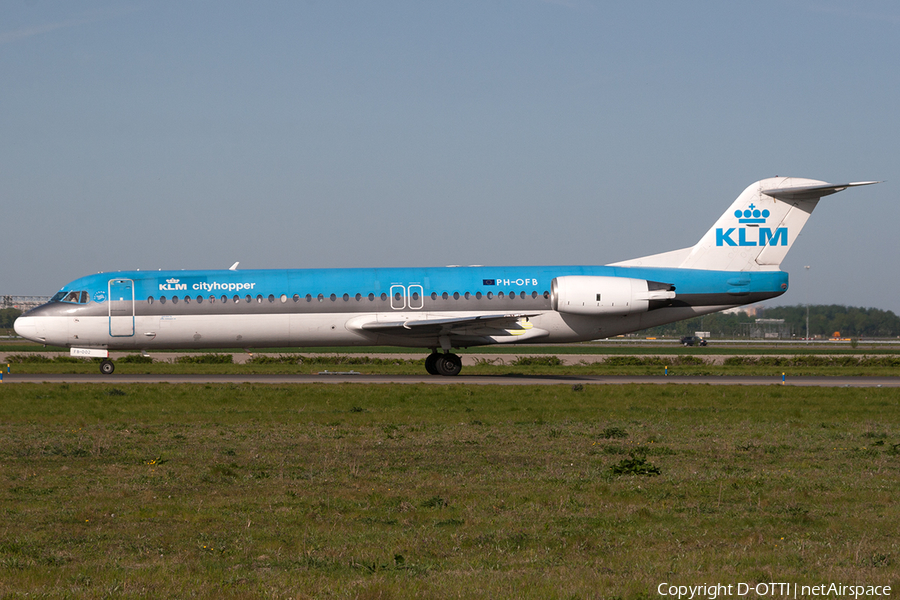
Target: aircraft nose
27,328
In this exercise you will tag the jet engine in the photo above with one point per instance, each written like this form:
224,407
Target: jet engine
601,295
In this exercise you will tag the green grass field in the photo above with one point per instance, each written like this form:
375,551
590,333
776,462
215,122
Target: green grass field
417,491
599,347
295,363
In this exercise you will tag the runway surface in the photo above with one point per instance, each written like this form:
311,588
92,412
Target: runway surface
461,379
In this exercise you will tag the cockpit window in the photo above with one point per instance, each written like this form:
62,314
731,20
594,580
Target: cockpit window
79,297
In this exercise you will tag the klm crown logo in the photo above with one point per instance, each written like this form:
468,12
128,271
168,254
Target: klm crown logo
752,217
751,214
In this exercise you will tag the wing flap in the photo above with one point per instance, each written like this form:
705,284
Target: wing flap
499,321
475,329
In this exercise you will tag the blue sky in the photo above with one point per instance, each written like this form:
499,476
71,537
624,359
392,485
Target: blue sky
329,134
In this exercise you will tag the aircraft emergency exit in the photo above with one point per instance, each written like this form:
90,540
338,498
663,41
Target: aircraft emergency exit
736,262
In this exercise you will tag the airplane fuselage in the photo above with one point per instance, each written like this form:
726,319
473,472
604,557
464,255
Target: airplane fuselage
148,310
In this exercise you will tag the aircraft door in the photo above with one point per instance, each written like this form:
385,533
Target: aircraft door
412,297
121,307
416,297
398,297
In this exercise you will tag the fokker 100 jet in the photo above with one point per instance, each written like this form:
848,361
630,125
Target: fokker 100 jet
736,262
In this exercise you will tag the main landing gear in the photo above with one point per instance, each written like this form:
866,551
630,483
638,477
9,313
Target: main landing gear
443,364
107,366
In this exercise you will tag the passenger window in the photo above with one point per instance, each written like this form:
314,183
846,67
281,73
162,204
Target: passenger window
546,295
236,298
490,295
478,295
296,297
534,294
162,299
199,299
522,295
383,296
187,299
499,294
333,297
224,298
150,300
434,295
174,299
512,295
259,298
283,298
358,296
371,296
456,295
468,295
320,298
212,299
445,295
271,298
248,298
346,297
415,296
397,296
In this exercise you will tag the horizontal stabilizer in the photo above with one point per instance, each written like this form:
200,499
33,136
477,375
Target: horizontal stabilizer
812,192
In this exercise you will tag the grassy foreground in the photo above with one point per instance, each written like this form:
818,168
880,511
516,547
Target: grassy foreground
662,346
293,363
352,491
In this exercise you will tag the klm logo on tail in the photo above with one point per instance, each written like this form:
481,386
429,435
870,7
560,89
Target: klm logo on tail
753,217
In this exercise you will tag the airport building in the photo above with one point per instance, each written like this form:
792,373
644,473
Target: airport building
23,303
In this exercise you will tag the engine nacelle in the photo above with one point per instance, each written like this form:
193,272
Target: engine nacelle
601,295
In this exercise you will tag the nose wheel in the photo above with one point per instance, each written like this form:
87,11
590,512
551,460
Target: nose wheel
443,364
107,366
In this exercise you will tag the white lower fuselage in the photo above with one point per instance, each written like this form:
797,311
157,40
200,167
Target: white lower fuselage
323,329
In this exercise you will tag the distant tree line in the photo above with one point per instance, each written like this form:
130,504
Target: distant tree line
8,317
824,320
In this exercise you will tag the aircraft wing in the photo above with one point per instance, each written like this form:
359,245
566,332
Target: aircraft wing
490,328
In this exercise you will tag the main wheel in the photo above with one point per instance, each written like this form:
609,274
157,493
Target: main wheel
431,363
107,367
448,364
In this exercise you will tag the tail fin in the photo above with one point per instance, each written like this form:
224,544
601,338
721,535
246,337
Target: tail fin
756,232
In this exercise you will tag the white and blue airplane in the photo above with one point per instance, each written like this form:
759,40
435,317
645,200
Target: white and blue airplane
735,263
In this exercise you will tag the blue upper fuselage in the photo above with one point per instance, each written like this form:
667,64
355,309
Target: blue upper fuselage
688,282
